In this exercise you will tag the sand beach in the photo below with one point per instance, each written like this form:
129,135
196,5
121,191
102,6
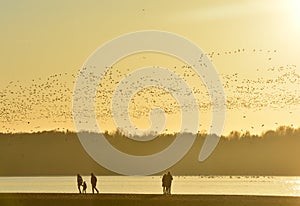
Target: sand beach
22,199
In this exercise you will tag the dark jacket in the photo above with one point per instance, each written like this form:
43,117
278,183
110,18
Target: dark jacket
93,180
79,180
168,180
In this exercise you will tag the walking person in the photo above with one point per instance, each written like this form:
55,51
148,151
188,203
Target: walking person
94,183
168,180
164,183
79,182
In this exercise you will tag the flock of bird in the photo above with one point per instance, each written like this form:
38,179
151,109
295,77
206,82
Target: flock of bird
267,53
50,99
282,91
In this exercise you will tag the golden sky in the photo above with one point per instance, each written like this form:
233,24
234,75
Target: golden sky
44,41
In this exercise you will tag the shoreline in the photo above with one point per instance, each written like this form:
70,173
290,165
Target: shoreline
22,199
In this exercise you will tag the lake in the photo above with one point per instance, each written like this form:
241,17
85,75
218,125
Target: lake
233,185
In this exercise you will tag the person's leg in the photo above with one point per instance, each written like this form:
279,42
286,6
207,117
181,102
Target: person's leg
168,190
79,189
97,190
93,189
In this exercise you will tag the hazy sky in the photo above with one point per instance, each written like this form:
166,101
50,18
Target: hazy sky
251,39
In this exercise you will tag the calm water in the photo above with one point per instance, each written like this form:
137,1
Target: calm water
282,186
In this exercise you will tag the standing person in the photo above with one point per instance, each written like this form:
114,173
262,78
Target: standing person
168,179
84,187
94,183
79,182
164,183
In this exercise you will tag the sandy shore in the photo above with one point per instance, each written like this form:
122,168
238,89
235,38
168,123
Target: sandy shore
20,199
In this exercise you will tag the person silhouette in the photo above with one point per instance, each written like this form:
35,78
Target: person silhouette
84,186
168,183
79,182
164,183
94,183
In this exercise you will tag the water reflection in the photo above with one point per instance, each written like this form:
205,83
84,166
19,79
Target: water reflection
238,185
